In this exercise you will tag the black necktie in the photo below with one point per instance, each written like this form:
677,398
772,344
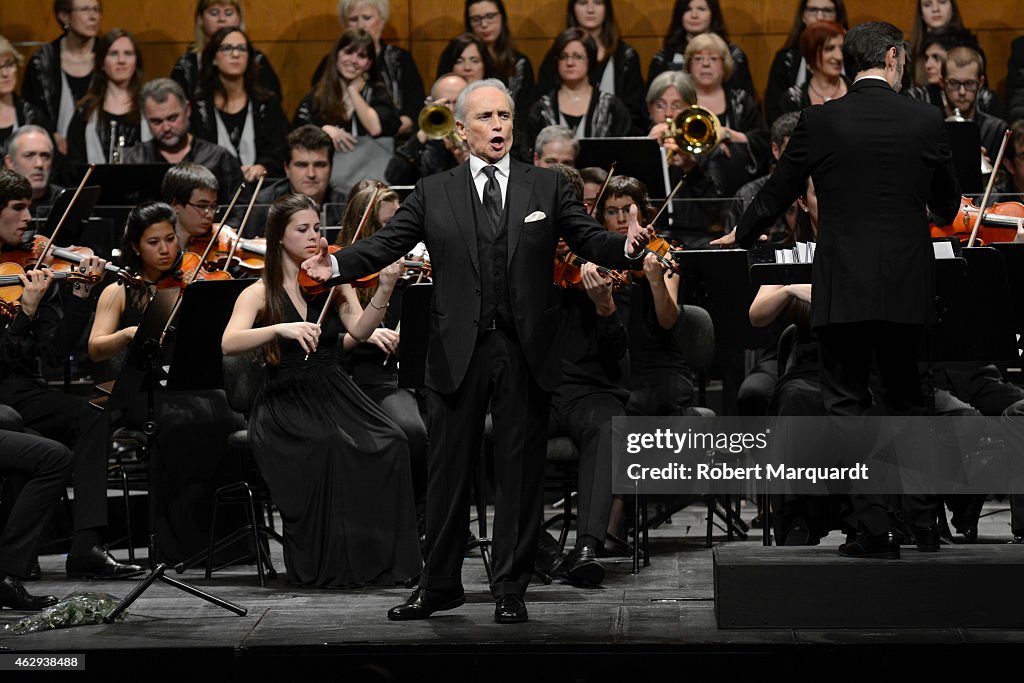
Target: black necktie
492,198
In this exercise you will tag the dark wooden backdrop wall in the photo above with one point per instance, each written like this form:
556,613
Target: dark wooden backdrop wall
295,34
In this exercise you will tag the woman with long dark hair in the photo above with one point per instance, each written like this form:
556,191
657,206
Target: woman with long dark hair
575,103
107,120
234,110
488,21
616,67
337,466
58,74
467,56
789,67
211,16
691,18
930,15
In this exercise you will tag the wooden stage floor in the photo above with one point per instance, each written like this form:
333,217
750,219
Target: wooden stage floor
636,628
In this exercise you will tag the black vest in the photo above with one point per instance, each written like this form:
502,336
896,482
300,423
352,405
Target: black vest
492,254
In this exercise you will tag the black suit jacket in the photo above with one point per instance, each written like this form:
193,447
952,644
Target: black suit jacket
879,163
440,213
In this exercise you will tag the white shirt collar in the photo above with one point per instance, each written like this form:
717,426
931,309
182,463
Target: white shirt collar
476,165
874,78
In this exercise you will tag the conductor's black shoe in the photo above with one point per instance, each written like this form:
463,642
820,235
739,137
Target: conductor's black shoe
550,560
616,547
926,539
14,596
970,534
582,566
98,563
509,609
883,547
422,603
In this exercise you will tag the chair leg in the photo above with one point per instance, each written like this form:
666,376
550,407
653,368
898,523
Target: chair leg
127,515
250,512
213,535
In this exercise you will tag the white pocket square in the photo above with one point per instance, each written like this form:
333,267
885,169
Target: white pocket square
535,216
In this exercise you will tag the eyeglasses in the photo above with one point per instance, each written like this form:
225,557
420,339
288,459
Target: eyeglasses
574,57
8,66
215,12
662,105
481,19
612,212
820,11
705,58
232,49
969,86
203,207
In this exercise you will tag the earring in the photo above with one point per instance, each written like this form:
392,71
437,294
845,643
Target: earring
67,26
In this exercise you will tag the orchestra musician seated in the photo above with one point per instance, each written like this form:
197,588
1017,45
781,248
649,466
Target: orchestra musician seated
191,191
29,152
963,77
555,146
420,156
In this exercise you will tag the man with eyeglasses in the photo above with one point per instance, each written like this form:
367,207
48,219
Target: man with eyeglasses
167,113
191,190
962,78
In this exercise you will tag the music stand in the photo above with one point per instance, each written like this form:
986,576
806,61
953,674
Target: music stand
641,158
128,184
138,374
79,214
965,144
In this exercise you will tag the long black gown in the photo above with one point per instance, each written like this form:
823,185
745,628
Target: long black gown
337,467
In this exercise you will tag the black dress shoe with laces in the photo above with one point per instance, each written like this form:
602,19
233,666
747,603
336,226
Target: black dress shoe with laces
926,539
509,609
883,546
422,603
98,563
582,566
615,547
14,596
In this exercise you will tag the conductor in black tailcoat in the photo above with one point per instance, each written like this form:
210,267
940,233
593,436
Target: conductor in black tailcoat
880,162
491,226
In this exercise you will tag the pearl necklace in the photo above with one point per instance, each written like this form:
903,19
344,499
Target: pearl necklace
825,98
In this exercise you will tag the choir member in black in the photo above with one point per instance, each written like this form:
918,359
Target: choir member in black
1015,80
595,368
45,466
59,72
930,16
556,146
30,153
15,111
936,46
821,45
397,70
107,119
352,105
660,383
232,109
419,157
963,79
575,102
788,66
307,171
167,114
373,363
191,192
710,64
211,16
466,56
488,21
48,324
672,92
337,466
616,70
690,18
190,456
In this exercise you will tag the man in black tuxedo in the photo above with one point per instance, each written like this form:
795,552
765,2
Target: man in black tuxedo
879,162
491,226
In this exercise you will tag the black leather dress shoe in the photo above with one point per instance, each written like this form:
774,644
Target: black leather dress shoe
926,539
35,572
14,596
582,566
422,603
884,547
615,547
510,609
98,563
970,534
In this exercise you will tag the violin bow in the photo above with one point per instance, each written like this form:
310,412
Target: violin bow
988,190
245,219
604,186
53,237
669,199
359,229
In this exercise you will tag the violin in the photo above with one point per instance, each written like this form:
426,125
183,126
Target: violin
568,276
999,224
62,259
11,286
188,269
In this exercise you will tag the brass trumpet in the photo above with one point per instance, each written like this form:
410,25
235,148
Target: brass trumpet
695,130
437,122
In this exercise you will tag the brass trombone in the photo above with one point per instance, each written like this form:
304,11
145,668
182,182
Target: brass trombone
695,130
437,122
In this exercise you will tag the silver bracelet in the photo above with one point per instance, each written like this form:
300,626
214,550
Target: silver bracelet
379,308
